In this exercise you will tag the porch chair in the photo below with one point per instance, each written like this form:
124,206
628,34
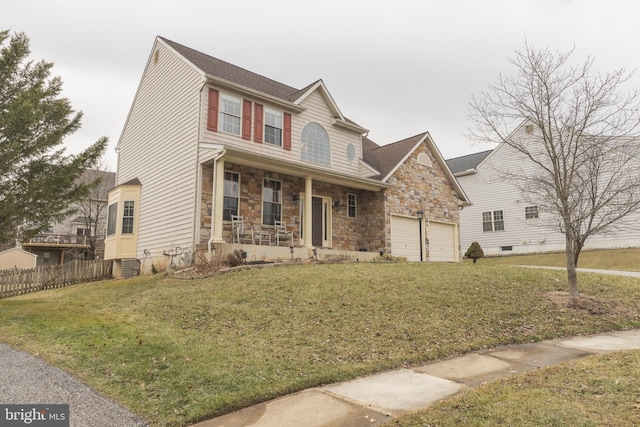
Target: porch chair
282,234
240,232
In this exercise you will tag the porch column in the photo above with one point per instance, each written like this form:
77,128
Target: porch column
306,221
217,201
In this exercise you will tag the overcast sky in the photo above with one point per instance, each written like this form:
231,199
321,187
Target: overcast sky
396,67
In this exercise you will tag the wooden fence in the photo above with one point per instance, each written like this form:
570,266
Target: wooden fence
22,281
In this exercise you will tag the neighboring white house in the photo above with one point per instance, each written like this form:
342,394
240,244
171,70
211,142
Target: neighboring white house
207,140
500,219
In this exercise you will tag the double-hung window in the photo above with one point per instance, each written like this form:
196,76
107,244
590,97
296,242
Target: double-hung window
273,127
231,195
531,212
493,221
230,114
112,219
351,205
127,218
271,201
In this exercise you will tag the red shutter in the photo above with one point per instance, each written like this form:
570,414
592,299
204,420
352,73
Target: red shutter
257,122
246,119
212,116
287,132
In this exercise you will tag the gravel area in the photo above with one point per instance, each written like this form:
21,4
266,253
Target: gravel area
25,379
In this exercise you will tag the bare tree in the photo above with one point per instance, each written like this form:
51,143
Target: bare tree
92,210
579,138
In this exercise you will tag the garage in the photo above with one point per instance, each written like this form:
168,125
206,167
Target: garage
442,242
405,237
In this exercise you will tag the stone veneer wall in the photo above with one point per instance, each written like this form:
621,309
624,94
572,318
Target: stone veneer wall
366,231
419,187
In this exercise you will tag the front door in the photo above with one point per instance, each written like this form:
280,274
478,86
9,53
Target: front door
320,221
317,235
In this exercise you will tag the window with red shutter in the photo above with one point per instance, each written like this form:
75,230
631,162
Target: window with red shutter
287,132
246,119
212,116
258,111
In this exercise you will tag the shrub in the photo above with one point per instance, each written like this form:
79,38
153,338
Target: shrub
235,259
474,252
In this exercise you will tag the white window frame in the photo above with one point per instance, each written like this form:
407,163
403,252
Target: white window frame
492,221
228,195
316,145
352,205
230,114
275,199
128,212
273,127
531,212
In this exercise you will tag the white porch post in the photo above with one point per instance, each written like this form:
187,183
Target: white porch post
308,196
218,201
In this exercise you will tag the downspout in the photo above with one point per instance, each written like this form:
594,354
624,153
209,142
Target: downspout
213,199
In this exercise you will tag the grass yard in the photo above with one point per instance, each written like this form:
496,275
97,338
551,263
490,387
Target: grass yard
611,259
179,351
595,391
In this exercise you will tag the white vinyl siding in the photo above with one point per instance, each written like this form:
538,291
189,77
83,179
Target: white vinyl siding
158,146
316,110
487,190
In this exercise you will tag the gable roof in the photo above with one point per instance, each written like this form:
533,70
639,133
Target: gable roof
467,163
224,72
388,158
233,73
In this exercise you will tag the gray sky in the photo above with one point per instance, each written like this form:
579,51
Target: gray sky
396,67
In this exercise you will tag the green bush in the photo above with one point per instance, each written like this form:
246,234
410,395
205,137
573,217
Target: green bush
474,252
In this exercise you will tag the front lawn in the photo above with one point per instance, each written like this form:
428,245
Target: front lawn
601,390
179,351
610,259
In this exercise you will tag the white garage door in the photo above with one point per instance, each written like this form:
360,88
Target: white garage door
442,244
405,237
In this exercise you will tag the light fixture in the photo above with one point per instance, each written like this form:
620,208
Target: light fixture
381,252
315,253
296,198
337,204
420,214
244,256
291,249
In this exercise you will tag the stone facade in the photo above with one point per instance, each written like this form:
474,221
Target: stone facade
416,187
421,188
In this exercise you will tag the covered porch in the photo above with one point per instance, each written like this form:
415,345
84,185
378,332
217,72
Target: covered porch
342,213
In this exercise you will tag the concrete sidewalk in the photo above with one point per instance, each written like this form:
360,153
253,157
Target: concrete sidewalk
589,270
372,400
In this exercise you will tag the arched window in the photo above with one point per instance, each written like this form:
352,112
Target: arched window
315,144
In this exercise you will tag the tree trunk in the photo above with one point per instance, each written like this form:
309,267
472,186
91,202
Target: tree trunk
572,277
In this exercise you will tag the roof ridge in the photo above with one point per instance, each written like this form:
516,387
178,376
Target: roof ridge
182,48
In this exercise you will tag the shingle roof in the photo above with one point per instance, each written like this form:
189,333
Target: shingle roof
468,162
235,74
385,158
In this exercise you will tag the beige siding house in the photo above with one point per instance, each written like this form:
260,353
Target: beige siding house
210,142
17,258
